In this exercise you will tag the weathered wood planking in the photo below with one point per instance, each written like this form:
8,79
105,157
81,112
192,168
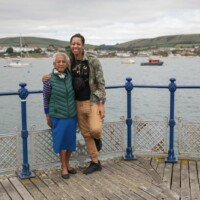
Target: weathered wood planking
194,186
10,189
168,174
20,188
185,187
3,193
141,179
176,176
33,189
161,167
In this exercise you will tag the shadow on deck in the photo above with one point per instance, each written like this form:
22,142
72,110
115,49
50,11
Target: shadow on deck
141,179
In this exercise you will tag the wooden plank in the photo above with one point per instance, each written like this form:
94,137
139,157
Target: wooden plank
134,165
198,170
154,163
52,185
33,190
142,187
151,188
168,174
84,191
105,184
100,191
121,180
121,184
20,188
136,170
43,188
10,189
185,187
176,178
126,186
139,165
88,189
3,194
161,168
137,174
64,184
194,185
128,169
157,178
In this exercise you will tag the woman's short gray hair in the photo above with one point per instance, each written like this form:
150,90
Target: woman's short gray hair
55,55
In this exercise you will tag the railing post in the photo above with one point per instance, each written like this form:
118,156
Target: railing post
171,158
129,153
25,172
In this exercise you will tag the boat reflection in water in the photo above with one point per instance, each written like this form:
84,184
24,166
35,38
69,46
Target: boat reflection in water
153,62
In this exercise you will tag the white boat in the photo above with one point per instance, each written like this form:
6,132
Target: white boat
131,61
18,63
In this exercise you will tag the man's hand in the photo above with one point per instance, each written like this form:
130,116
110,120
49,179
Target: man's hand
101,110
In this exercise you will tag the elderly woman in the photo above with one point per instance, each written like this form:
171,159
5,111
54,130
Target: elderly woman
60,110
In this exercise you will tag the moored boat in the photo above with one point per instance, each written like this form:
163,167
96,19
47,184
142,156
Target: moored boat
18,63
131,61
153,62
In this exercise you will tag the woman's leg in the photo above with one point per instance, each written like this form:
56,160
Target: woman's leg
63,161
71,170
68,155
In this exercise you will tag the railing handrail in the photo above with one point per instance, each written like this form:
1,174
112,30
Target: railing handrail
114,87
129,86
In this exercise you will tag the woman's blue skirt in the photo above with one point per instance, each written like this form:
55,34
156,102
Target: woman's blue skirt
64,134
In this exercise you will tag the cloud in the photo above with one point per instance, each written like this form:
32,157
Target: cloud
101,22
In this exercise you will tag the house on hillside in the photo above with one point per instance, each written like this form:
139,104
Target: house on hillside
51,48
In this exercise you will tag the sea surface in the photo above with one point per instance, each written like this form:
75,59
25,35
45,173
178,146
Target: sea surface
148,104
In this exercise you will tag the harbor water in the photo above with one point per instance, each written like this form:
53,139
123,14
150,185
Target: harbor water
148,104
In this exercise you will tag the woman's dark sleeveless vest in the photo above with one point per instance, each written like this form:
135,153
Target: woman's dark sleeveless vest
62,101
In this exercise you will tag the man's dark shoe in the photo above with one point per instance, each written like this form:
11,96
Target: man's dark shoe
93,167
98,143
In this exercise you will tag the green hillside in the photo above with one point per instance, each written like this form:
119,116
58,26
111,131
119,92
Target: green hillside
33,42
188,40
36,42
164,41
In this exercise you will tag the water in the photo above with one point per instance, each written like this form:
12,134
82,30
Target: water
147,103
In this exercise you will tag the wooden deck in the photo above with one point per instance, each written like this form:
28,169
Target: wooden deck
141,179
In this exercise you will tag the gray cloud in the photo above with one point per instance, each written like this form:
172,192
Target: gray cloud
101,22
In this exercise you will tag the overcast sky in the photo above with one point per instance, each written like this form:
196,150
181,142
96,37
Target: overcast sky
100,21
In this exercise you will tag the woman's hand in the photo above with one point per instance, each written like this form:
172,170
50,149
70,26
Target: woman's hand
48,121
46,77
101,110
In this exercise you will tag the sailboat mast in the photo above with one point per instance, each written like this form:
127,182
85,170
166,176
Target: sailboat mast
20,41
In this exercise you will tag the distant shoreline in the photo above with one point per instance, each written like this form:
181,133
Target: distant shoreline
127,58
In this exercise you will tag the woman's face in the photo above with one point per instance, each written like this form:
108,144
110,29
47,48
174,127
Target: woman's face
60,64
77,46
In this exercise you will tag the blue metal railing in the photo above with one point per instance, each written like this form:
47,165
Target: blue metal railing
172,87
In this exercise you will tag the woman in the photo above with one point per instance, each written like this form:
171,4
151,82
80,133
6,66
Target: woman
60,110
89,86
90,98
